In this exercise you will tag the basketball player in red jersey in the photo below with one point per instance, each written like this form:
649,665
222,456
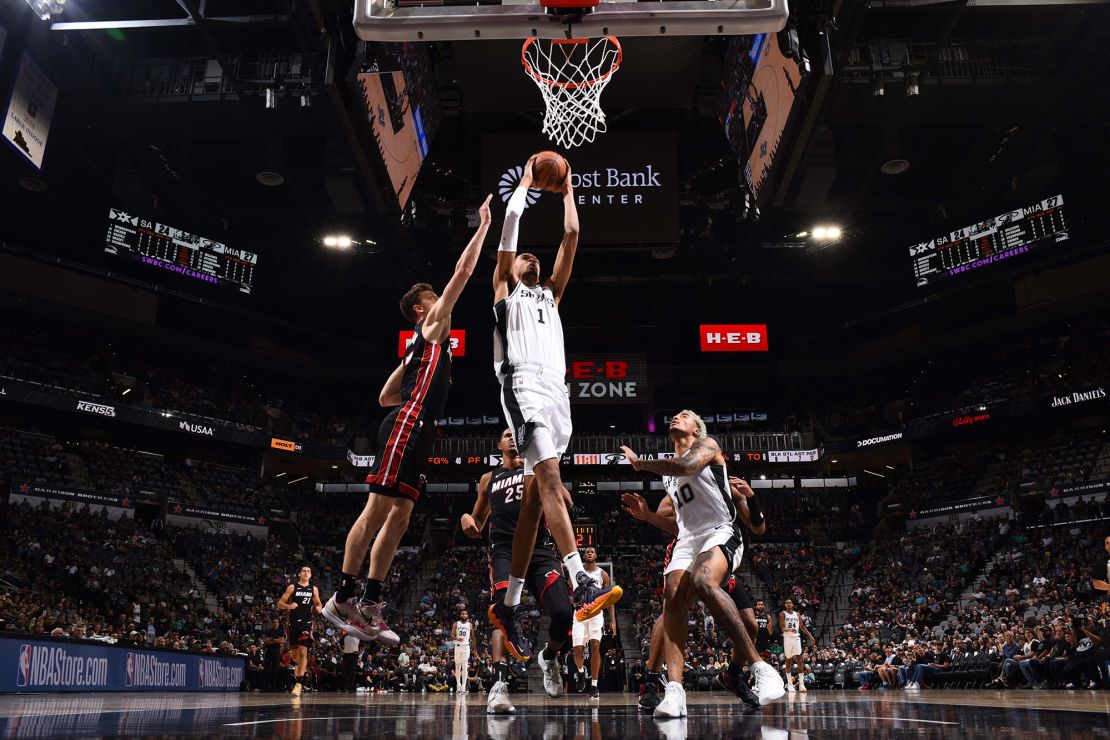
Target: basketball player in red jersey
531,367
417,390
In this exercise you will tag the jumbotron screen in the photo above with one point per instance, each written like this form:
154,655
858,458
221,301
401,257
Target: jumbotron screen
179,252
989,242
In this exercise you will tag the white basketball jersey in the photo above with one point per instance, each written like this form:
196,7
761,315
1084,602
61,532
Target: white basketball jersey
528,333
594,575
462,634
790,622
702,502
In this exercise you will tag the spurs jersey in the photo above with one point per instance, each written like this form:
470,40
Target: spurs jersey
594,575
529,333
462,634
790,621
702,502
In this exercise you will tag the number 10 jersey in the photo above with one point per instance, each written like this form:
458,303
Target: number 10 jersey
702,502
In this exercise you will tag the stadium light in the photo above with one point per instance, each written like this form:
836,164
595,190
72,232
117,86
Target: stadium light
872,472
297,480
46,9
125,391
343,242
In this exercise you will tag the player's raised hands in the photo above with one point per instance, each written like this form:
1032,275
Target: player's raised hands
527,177
633,458
566,187
484,217
635,505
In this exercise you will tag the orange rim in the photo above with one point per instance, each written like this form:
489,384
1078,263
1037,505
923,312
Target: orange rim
569,85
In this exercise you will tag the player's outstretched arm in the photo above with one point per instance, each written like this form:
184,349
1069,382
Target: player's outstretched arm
564,261
473,523
704,452
663,517
506,250
437,323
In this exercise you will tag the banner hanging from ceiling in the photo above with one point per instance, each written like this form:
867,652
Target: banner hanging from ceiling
30,111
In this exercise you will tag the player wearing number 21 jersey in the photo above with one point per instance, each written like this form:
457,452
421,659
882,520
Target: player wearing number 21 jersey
709,547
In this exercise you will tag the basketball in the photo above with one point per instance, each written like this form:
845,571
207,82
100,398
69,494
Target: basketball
549,171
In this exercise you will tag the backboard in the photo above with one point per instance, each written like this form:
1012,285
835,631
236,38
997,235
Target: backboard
450,20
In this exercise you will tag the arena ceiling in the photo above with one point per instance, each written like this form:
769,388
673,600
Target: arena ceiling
1013,102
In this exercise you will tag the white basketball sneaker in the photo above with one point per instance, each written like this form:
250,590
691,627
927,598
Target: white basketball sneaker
498,701
768,683
674,702
552,681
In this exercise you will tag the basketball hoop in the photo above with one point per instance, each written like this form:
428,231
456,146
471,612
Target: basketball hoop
571,75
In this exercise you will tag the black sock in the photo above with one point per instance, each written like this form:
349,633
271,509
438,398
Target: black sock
502,670
372,591
347,584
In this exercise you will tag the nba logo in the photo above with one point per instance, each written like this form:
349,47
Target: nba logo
24,676
130,669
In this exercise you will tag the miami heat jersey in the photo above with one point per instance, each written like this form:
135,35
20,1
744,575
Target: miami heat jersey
302,599
426,378
506,489
702,502
528,334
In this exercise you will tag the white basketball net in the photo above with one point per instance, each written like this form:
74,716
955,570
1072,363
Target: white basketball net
571,74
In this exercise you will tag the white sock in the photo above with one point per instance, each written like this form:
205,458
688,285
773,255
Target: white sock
593,682
513,592
573,562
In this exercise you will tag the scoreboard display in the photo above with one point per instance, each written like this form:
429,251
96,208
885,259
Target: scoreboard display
989,242
585,535
172,249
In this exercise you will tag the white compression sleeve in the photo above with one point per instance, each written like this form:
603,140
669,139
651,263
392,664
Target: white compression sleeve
513,212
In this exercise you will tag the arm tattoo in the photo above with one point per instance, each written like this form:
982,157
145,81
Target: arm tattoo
692,461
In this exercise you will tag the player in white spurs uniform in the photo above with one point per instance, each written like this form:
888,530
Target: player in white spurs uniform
590,630
531,367
708,549
462,632
791,626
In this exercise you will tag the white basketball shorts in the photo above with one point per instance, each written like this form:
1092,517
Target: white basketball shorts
687,549
537,408
583,632
791,645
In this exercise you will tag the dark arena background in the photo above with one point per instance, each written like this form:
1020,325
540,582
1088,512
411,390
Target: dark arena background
867,242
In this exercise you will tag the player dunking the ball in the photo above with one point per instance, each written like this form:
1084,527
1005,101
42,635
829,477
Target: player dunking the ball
301,600
417,390
500,493
531,367
708,549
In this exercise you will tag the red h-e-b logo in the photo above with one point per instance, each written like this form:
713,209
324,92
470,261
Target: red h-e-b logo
733,337
458,342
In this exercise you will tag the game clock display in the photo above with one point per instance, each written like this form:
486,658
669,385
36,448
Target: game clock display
585,535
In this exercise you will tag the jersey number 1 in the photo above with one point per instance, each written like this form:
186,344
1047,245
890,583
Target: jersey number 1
540,312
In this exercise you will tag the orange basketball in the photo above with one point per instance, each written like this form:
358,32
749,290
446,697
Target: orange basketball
549,171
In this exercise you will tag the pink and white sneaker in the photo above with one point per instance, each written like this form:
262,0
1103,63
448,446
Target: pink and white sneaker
346,616
371,614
